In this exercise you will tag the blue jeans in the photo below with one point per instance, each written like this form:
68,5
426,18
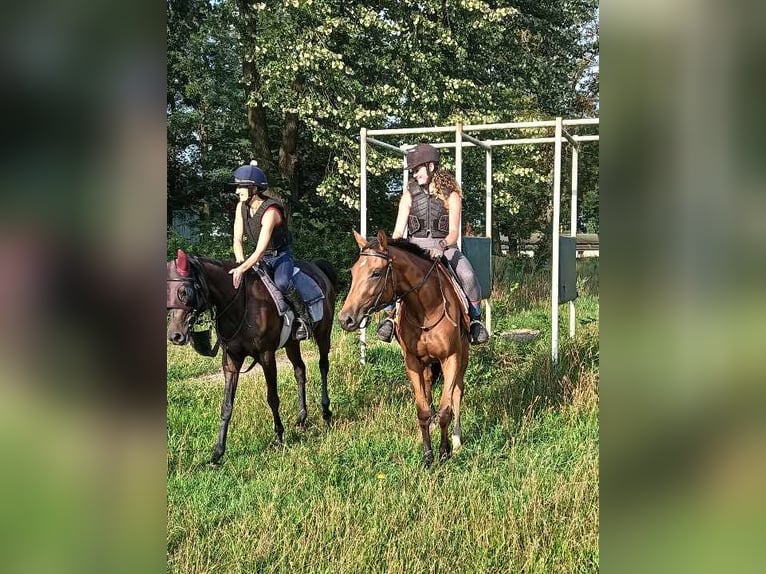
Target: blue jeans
280,268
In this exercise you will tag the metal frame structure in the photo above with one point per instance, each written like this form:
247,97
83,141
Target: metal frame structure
464,139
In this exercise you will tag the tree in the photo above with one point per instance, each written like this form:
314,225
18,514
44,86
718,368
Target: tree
310,73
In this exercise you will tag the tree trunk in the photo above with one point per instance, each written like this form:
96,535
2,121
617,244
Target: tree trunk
256,113
288,152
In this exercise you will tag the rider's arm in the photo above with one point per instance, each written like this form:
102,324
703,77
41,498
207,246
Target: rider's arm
455,209
404,211
270,220
239,235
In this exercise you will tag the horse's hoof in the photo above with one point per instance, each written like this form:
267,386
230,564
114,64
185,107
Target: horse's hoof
277,443
215,459
428,459
214,464
444,456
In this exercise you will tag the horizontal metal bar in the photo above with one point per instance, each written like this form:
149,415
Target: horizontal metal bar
494,143
479,143
485,127
581,122
400,131
487,144
569,137
385,145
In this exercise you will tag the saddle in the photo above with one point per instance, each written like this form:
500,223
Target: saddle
308,288
309,291
449,273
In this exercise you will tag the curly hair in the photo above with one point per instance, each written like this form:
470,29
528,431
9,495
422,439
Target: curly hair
444,184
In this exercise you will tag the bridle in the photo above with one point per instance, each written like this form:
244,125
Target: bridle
378,305
196,303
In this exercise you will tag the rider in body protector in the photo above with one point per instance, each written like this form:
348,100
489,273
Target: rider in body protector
263,219
430,209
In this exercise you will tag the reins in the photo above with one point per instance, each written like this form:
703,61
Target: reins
217,314
444,306
377,306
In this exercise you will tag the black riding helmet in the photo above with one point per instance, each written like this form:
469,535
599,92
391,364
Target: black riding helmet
250,176
420,154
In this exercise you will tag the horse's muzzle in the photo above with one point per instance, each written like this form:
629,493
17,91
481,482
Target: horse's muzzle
178,338
348,322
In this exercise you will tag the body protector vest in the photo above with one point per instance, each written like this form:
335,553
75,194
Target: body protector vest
427,213
281,238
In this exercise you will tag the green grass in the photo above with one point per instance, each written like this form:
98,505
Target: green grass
521,495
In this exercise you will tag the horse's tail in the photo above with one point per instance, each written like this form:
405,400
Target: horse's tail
328,270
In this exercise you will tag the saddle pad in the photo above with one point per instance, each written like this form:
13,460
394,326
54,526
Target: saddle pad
276,294
450,274
287,328
307,287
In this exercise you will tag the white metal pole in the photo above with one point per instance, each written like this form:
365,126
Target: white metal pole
488,233
363,221
555,235
573,232
459,174
405,179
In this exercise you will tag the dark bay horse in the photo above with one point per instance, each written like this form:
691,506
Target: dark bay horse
431,327
248,325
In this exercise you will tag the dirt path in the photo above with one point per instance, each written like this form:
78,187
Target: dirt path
283,363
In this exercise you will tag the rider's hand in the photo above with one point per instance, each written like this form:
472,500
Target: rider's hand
237,272
435,252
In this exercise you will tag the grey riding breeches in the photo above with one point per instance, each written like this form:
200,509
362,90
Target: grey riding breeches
459,263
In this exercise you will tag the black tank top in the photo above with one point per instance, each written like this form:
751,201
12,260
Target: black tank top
281,238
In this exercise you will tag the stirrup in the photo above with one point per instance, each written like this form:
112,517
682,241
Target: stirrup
386,330
301,331
478,332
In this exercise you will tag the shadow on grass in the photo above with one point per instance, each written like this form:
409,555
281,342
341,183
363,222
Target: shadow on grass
505,380
382,380
512,382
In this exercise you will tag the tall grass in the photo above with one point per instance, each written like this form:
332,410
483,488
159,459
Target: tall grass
521,495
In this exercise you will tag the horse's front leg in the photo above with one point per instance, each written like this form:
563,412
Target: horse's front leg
293,351
449,404
457,398
269,364
231,367
415,373
323,342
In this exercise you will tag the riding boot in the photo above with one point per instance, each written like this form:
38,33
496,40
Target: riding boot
386,330
303,318
478,332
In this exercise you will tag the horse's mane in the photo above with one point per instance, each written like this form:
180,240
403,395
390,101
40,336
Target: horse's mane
225,264
403,244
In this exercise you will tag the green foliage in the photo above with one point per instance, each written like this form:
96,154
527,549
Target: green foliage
336,67
521,495
215,245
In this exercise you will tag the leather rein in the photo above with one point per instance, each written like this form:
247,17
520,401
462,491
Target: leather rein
200,295
378,305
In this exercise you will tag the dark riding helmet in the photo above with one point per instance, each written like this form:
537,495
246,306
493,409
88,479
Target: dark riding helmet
250,176
420,154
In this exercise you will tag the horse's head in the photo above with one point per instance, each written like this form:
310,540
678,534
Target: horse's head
185,298
372,282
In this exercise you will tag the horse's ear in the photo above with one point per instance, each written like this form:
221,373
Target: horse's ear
360,241
382,240
182,263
